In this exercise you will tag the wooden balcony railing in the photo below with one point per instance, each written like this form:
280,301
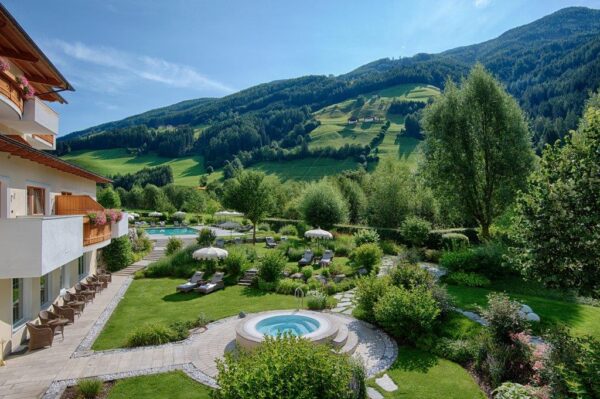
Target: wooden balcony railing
82,205
9,88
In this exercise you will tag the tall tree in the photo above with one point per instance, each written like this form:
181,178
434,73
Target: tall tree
558,216
322,205
477,147
250,193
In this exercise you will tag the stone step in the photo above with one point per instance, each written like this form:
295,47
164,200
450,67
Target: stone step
245,284
341,337
351,343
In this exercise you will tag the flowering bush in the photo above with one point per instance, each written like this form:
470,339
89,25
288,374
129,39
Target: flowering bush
28,90
4,66
97,218
113,215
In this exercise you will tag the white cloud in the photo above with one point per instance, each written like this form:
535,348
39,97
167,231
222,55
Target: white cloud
118,67
481,3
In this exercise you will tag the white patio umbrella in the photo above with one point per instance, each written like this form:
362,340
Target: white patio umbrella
135,215
210,253
155,214
130,217
319,234
228,213
179,214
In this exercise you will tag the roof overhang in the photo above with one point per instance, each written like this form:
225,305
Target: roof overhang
19,47
23,150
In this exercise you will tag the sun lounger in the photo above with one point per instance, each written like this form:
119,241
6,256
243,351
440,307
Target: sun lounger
270,242
327,258
307,258
216,283
192,283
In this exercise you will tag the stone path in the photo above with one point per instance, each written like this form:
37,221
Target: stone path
158,251
45,373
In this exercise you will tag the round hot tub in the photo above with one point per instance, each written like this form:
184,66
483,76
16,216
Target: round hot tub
316,327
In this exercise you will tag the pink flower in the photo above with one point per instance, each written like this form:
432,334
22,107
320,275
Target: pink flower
4,66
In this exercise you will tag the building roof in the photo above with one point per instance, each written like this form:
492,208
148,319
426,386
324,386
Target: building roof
16,45
18,148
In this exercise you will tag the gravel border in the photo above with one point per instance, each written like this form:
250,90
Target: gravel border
85,346
57,388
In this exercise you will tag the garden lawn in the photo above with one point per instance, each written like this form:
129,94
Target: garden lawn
306,169
173,385
420,375
155,301
581,319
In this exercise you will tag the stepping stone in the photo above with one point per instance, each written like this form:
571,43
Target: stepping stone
532,317
348,311
344,304
372,393
386,383
526,309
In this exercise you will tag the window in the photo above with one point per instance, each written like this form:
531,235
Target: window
17,285
36,201
81,269
44,289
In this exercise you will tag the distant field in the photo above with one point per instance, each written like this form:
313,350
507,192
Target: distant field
186,170
334,129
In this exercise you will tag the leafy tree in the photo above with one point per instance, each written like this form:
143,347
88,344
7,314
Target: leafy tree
389,194
415,230
249,193
118,254
108,198
356,198
155,199
556,226
322,205
477,147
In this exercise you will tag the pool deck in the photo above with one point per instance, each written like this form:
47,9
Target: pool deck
46,372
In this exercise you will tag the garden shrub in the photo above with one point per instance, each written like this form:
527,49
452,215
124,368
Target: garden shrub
150,334
289,367
407,314
236,262
314,283
316,300
294,254
268,286
409,276
367,256
412,255
368,291
194,220
118,254
307,272
485,259
173,245
571,365
180,264
206,237
271,266
512,390
263,227
288,230
444,300
89,388
287,286
461,351
454,241
366,236
342,246
415,230
325,272
468,279
344,285
504,317
390,247
141,243
432,255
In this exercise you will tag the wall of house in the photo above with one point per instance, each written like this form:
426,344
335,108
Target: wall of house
64,277
18,173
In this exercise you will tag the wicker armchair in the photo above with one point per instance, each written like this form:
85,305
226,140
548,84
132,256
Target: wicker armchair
65,312
75,301
104,274
82,289
98,286
39,336
104,279
54,321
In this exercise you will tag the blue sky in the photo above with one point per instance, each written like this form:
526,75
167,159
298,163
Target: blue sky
128,56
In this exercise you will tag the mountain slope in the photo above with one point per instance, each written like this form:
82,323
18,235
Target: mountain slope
549,65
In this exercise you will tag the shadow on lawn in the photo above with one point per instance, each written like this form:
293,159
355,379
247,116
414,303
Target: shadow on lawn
180,297
253,292
414,360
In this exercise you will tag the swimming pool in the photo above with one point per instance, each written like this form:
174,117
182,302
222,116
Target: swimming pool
297,325
172,231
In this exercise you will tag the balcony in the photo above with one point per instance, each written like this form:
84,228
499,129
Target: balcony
121,227
38,124
82,205
34,246
11,100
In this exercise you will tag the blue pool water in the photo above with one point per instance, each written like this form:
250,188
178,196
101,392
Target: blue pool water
172,231
287,324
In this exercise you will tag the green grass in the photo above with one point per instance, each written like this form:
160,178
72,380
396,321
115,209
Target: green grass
581,319
420,375
186,170
155,301
172,385
306,169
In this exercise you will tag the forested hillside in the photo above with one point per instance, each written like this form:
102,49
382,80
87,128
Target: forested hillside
550,66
